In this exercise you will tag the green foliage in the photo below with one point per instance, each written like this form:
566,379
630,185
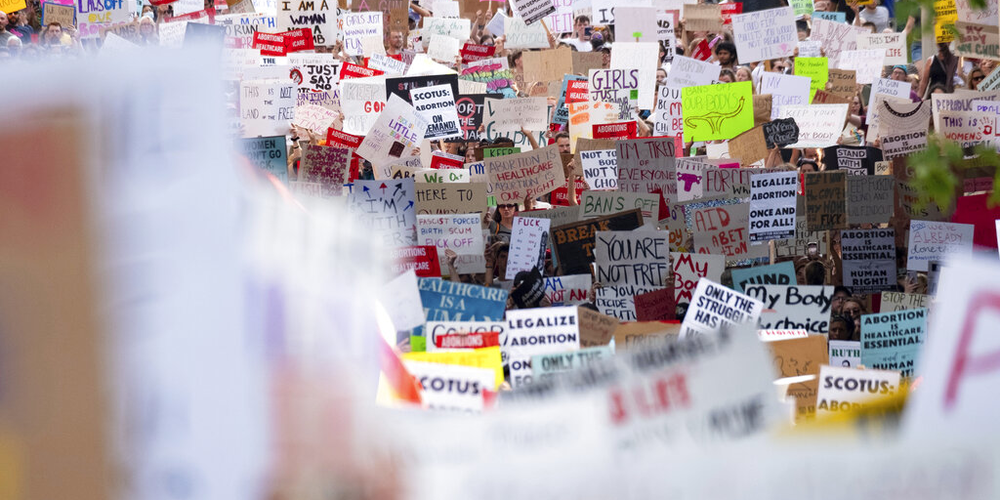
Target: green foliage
934,176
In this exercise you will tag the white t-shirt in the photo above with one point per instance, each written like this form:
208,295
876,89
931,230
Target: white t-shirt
879,17
581,46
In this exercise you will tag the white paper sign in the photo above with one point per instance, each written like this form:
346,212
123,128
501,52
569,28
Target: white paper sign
643,56
668,118
452,387
689,72
794,307
398,130
437,105
443,48
772,206
846,389
360,25
867,63
894,45
845,353
267,107
533,10
528,239
785,90
820,125
362,100
461,233
937,241
539,331
765,34
600,169
715,306
511,115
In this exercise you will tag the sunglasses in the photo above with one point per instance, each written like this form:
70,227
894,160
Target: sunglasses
978,78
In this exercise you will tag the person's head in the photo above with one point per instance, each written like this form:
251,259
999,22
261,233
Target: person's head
4,21
822,6
976,76
743,74
147,27
841,328
815,273
725,52
505,212
661,76
396,40
944,49
857,106
53,34
807,166
500,257
870,26
727,76
580,25
147,9
781,66
987,65
470,154
14,17
14,45
853,308
606,56
898,73
503,142
516,60
939,88
840,294
562,142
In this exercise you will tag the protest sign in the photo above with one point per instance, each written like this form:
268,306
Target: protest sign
459,198
866,63
532,10
528,241
394,14
894,45
892,340
402,301
470,114
848,389
448,335
902,127
837,37
596,329
518,176
688,72
386,64
547,65
452,387
896,301
458,29
776,274
775,335
612,131
574,242
319,71
640,258
689,268
600,168
668,119
523,36
843,83
561,20
785,90
809,49
690,177
817,69
385,206
819,124
798,361
461,233
473,52
715,306
268,154
546,365
826,200
845,353
357,27
870,199
65,15
92,16
765,34
314,118
647,166
717,111
512,115
801,243
571,92
451,301
437,105
887,87
618,300
640,56
327,166
793,307
398,130
422,260
638,336
857,161
637,24
977,41
443,48
703,17
583,116
962,127
722,230
658,305
583,62
937,241
320,18
594,204
567,290
780,132
267,107
532,332
869,259
616,86
772,206
362,101
749,147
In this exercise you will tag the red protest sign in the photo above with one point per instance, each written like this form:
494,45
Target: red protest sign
657,305
472,52
349,70
702,52
560,196
474,340
341,138
620,130
445,160
269,44
728,9
422,259
577,91
298,40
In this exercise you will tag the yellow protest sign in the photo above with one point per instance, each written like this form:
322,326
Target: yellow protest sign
716,112
9,6
817,69
945,15
487,357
